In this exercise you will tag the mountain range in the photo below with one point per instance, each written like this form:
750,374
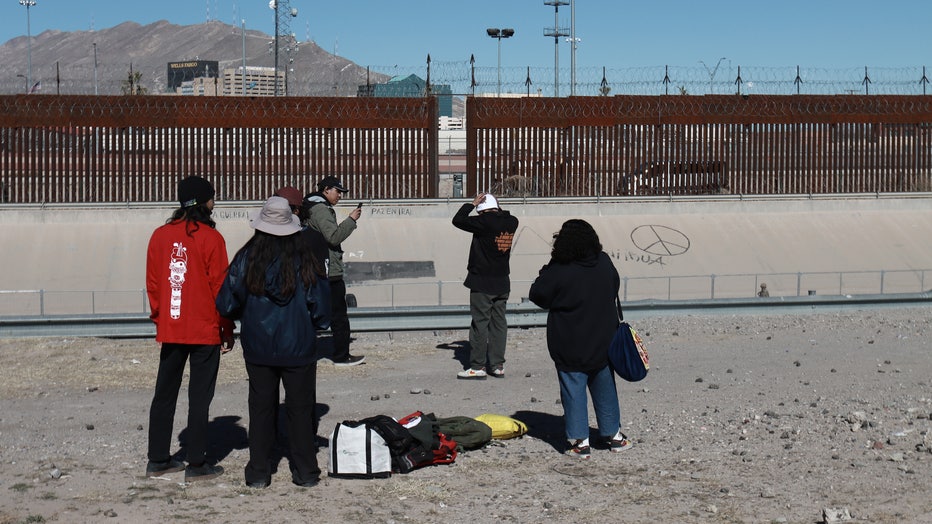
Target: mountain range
64,62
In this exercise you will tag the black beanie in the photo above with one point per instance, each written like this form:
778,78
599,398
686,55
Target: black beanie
194,190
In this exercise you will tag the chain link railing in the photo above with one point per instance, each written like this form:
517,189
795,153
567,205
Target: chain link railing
452,293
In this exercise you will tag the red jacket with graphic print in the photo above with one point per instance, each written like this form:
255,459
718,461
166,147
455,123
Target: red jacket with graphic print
185,267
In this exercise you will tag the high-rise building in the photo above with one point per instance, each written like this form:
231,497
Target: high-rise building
259,81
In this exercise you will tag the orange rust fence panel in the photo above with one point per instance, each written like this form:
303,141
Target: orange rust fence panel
135,148
66,149
669,145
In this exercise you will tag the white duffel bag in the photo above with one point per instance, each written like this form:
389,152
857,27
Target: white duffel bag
357,451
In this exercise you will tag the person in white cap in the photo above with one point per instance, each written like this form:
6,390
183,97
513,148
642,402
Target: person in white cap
489,282
279,292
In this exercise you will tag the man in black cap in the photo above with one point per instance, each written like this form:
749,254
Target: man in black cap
322,218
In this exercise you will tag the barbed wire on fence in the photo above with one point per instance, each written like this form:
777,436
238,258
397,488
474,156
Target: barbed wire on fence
464,79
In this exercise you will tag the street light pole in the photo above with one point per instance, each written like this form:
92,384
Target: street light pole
95,69
274,5
498,34
28,4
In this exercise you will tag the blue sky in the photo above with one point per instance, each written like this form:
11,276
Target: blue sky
612,33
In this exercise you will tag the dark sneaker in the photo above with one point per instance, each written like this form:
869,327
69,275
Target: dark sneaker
203,472
498,372
579,450
307,483
472,374
154,469
259,484
619,445
352,360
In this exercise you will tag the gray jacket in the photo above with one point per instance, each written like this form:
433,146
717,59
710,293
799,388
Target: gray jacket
324,220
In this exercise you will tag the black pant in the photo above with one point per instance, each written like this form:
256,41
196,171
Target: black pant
300,404
339,320
205,363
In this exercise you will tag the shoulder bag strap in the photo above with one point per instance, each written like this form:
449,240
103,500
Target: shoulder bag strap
621,315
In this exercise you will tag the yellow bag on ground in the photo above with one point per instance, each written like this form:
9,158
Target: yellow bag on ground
503,427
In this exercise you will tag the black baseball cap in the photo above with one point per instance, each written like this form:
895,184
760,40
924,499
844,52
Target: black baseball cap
331,181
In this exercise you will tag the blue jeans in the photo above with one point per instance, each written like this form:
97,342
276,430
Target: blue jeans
601,384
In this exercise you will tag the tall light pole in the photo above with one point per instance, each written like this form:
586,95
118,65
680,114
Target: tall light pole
28,4
498,34
573,49
273,5
712,72
95,69
556,32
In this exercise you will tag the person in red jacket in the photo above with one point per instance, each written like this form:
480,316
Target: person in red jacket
186,263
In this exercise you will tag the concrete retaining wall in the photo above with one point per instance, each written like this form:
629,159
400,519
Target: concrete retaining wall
664,247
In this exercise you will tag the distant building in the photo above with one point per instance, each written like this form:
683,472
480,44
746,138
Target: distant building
180,72
411,86
200,87
259,81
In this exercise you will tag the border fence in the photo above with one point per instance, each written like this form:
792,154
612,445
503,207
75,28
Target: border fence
76,149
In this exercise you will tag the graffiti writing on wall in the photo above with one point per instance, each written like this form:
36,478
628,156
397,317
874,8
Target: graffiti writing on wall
638,258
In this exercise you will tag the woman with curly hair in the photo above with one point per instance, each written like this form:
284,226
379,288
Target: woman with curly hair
578,287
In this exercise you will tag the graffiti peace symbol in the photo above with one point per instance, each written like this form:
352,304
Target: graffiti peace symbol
660,240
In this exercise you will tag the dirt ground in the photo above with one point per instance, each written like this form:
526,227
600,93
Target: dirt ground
742,419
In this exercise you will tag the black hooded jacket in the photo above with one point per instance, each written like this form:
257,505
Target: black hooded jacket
582,317
489,265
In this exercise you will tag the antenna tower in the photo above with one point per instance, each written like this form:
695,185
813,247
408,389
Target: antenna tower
556,32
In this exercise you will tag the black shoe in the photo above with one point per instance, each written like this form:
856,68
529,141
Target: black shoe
203,472
350,360
154,469
260,484
307,483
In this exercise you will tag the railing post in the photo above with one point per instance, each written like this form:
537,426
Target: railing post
799,283
624,295
713,285
144,304
882,275
669,288
440,292
93,302
841,280
42,302
393,295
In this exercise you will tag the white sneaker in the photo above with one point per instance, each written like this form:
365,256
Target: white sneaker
472,374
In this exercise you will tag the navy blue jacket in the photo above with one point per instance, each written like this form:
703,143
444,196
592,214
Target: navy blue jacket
275,330
582,317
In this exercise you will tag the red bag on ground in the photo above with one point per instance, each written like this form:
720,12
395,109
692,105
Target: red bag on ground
434,447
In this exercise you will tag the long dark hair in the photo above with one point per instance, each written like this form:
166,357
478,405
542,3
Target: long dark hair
577,240
193,216
292,255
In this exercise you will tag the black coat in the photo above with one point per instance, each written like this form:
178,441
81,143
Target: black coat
275,330
582,318
489,265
